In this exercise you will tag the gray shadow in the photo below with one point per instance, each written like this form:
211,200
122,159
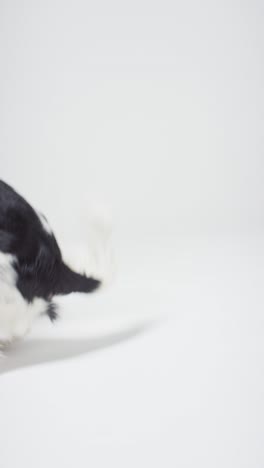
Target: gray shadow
34,352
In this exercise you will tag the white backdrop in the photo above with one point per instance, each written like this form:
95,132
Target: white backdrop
154,107
154,111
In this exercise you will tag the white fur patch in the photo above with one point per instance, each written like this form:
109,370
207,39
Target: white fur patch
44,223
16,314
93,255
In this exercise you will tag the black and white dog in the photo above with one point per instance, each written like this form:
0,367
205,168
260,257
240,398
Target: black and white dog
32,270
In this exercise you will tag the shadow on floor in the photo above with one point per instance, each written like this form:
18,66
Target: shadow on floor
33,352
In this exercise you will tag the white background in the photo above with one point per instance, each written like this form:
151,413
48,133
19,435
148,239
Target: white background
153,110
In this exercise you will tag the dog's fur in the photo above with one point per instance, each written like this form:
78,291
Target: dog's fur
32,270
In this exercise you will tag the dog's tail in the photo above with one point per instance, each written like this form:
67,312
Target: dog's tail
88,265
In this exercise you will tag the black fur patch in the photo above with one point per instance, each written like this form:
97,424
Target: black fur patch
38,262
51,311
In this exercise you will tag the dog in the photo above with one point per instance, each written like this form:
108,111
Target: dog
32,268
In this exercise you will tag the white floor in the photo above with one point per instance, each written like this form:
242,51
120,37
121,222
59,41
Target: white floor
163,369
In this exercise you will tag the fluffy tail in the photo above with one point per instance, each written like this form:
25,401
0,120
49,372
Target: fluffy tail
90,264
